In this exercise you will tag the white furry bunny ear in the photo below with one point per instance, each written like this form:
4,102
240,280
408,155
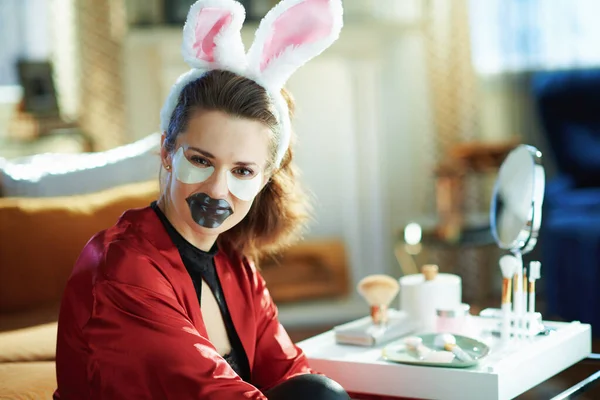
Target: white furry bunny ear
292,33
211,35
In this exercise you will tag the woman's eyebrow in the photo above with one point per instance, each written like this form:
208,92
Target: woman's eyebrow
203,152
245,164
209,155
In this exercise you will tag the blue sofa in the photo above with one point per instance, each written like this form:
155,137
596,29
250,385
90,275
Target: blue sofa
568,103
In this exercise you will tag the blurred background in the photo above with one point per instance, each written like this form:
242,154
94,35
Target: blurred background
403,122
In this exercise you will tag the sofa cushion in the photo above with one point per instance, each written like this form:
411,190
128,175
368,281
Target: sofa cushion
53,174
27,380
41,238
36,343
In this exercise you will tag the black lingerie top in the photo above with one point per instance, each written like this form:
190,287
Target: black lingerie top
201,266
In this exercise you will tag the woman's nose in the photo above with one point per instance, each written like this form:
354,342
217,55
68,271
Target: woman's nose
217,185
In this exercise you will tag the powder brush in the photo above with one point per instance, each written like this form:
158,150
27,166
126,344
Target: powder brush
508,266
378,291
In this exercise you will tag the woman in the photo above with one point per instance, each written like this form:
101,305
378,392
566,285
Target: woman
167,303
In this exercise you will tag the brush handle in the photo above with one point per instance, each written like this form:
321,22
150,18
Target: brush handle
520,298
379,314
459,353
532,302
518,291
506,319
531,292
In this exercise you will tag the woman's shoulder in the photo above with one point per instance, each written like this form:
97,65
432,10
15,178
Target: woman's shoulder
127,252
128,231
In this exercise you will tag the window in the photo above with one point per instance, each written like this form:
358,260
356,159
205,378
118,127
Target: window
522,35
24,33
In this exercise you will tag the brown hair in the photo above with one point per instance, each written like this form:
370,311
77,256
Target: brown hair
281,209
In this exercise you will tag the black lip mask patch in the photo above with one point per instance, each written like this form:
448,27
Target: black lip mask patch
208,212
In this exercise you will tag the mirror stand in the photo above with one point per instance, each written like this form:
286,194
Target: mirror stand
515,218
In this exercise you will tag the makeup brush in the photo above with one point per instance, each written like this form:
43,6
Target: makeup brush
534,274
508,266
378,291
524,300
447,342
525,271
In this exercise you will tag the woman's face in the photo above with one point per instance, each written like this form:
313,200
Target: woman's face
217,168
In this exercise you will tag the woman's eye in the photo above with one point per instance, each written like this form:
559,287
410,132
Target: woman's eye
199,161
243,172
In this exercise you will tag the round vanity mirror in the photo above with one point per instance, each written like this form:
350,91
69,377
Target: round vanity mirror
516,206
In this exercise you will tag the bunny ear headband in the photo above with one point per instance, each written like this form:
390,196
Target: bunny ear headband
291,34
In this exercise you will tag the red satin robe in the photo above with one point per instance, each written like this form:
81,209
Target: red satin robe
130,325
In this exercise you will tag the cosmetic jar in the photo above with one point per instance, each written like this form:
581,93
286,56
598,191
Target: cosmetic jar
454,319
421,294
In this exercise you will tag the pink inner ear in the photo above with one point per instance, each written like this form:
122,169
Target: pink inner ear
304,23
209,24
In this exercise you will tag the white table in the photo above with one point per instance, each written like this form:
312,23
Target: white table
505,373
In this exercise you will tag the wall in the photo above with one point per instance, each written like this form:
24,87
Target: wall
362,124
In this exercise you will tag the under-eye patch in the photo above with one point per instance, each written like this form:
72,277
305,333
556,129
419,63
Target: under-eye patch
244,189
187,172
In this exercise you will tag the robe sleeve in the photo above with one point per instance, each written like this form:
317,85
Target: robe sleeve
276,357
142,345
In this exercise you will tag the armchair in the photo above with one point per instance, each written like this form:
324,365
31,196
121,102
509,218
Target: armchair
568,103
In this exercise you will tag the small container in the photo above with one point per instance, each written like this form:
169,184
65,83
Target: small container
421,294
453,320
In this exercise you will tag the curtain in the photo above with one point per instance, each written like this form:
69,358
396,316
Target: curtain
101,27
452,80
